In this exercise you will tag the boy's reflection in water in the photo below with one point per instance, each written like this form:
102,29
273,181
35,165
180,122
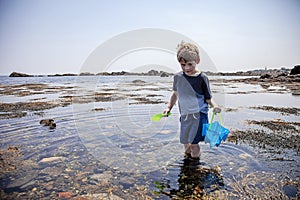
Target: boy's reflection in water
195,180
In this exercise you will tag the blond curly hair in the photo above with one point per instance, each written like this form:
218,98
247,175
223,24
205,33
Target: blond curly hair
188,52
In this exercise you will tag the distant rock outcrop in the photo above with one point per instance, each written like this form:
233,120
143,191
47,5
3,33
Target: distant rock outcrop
265,76
295,70
164,74
86,74
18,74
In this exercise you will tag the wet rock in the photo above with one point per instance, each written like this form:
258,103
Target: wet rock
52,126
48,122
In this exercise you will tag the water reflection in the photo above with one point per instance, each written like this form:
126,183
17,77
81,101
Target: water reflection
212,176
194,181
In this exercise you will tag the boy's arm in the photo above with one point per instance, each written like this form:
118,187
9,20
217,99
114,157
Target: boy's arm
171,103
216,108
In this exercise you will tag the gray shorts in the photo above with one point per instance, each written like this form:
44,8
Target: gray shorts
191,127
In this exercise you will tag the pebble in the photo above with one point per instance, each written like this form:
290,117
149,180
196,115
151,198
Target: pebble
84,179
68,170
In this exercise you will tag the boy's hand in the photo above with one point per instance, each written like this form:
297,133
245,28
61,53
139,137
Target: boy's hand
166,111
217,110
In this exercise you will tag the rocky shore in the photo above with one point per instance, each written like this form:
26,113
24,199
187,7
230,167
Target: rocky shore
260,72
267,81
122,73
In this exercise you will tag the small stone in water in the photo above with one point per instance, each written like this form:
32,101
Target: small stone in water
217,168
84,179
51,159
68,170
65,195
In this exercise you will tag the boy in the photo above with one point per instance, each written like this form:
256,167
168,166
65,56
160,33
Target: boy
192,90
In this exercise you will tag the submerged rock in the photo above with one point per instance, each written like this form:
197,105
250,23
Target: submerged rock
11,159
52,159
65,195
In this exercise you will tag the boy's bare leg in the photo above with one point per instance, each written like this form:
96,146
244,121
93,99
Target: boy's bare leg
195,150
187,148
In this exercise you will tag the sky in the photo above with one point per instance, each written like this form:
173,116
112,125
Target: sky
58,36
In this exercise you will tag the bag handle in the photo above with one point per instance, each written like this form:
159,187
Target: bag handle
212,119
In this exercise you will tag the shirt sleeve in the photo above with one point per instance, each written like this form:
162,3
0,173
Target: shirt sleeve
206,87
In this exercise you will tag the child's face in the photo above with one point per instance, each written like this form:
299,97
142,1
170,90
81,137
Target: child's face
189,68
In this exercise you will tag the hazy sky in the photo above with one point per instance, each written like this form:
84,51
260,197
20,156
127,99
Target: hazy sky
57,36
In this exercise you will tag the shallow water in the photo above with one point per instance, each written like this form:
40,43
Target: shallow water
120,141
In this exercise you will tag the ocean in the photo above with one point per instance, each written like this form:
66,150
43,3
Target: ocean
105,143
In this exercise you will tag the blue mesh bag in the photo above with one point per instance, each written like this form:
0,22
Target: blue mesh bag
214,132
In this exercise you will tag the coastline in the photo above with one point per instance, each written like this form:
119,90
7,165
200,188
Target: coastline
256,72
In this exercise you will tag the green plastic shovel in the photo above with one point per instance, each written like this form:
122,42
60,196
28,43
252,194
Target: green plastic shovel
157,117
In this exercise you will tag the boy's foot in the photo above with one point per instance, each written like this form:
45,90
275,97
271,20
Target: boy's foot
189,160
189,156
